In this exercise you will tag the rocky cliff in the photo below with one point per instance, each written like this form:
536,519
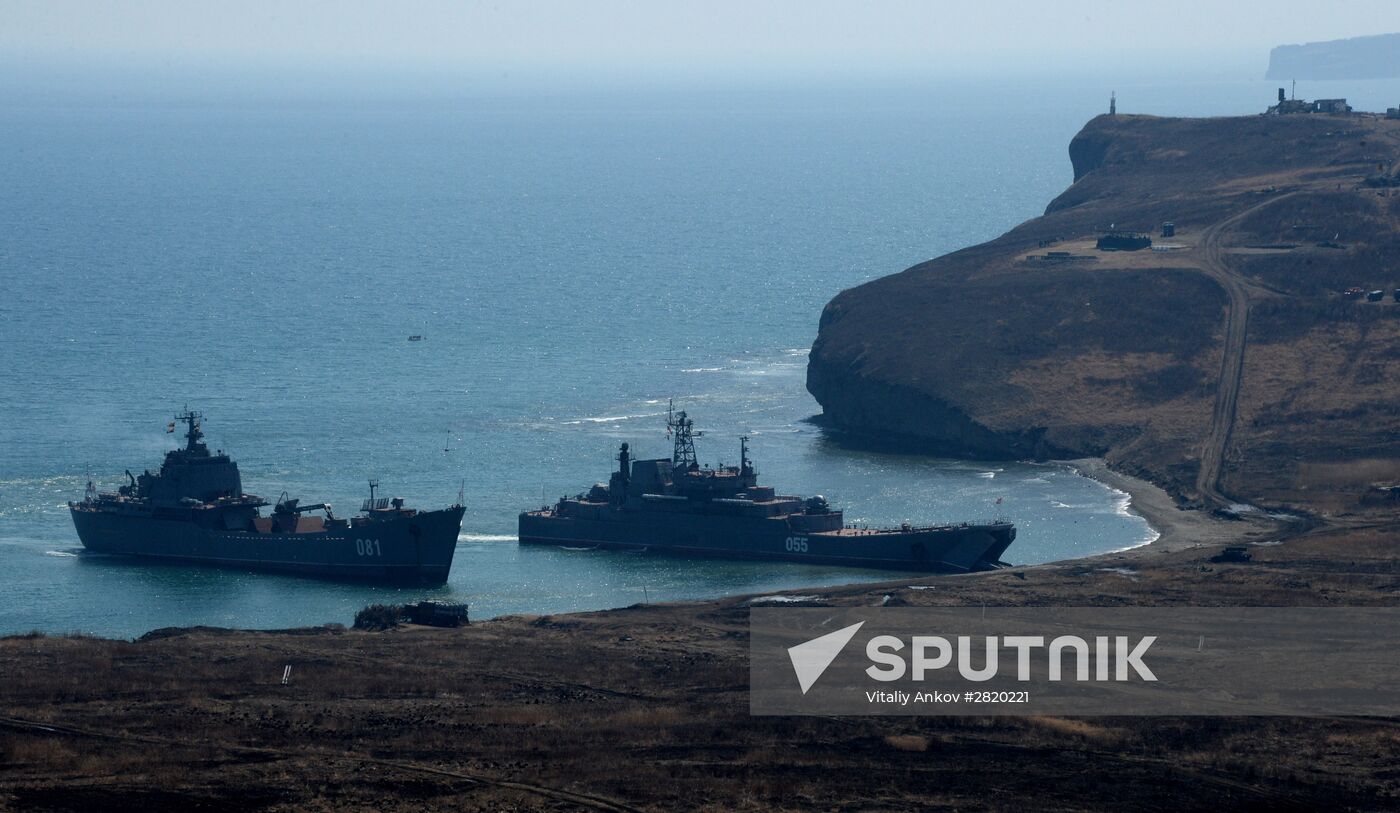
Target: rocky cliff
1229,363
1375,57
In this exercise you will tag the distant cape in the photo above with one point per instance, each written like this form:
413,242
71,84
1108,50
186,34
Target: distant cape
1376,57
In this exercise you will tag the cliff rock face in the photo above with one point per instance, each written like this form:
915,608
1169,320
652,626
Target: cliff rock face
994,351
1376,57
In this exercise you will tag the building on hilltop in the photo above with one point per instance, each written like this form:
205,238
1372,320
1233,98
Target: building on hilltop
1288,106
1123,241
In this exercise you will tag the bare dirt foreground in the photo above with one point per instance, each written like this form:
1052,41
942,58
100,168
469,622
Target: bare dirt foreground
646,708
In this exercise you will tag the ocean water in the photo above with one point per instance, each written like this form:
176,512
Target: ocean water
573,264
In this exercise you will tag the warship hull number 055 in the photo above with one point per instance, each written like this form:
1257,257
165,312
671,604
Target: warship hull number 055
194,510
676,506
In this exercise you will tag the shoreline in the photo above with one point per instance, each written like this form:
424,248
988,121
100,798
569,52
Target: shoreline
525,711
1177,529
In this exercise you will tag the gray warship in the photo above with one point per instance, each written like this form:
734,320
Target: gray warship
677,506
194,511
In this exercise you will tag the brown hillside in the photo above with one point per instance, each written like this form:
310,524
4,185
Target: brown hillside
1231,368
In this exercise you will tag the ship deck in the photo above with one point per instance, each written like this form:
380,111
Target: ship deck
861,532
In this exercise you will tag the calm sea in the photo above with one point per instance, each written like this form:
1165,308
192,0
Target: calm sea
572,262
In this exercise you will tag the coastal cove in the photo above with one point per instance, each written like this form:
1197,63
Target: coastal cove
536,247
753,407
536,279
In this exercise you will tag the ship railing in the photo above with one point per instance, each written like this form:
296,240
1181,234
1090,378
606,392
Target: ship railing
910,528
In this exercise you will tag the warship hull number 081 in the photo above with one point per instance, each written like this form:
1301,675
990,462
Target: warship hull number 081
676,506
194,510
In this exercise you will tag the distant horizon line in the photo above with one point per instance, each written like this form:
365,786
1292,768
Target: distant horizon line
1044,67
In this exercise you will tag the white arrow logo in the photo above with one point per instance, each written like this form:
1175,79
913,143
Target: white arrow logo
810,659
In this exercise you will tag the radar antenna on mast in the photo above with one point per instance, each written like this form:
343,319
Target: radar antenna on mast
193,433
375,502
683,430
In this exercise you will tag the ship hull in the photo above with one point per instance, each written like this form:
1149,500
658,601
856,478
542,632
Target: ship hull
953,549
404,550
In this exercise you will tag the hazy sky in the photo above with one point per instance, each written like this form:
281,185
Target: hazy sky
695,38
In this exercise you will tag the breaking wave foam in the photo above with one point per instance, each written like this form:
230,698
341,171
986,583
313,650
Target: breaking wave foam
487,537
610,418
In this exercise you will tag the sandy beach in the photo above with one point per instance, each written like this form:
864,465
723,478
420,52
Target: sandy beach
1178,529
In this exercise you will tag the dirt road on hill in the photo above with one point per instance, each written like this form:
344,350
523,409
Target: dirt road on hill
1232,354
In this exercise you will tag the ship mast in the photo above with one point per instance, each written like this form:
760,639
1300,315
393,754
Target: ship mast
624,464
683,455
193,435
